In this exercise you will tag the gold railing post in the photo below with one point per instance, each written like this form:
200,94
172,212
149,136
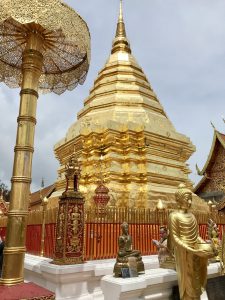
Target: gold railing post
44,209
13,270
160,208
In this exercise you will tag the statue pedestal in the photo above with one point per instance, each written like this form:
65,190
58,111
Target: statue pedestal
74,282
93,280
155,284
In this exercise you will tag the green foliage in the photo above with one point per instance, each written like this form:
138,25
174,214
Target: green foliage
4,191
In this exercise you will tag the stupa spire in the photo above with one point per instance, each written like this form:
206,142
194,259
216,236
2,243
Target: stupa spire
122,110
120,42
120,24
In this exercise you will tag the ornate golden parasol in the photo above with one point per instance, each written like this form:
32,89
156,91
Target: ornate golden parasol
44,45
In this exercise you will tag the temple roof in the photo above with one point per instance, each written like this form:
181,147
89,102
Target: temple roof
36,197
217,138
220,206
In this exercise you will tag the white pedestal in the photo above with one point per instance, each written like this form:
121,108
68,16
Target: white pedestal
74,282
94,280
153,285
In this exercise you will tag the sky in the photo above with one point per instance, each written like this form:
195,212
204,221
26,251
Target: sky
180,45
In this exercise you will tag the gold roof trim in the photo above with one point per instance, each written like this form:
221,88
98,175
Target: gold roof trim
203,179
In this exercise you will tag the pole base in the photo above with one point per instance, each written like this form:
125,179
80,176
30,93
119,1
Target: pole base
10,282
28,291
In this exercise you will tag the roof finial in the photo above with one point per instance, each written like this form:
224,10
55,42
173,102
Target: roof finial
198,170
213,125
42,183
120,42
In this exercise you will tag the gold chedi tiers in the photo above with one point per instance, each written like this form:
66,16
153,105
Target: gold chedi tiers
124,133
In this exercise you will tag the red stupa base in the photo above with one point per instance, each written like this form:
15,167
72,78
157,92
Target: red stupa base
25,291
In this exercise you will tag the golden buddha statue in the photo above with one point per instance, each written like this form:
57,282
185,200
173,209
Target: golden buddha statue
125,252
191,251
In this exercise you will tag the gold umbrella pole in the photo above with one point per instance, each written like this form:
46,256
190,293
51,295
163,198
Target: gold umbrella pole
14,252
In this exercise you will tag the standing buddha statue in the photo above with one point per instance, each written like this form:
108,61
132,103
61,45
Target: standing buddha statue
191,251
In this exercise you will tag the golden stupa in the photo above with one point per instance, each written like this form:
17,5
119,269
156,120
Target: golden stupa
123,137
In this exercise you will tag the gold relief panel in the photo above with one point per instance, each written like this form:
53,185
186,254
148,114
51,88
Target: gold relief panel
122,199
70,231
75,229
60,232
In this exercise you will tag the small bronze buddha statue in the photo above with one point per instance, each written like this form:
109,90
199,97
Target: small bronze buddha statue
125,252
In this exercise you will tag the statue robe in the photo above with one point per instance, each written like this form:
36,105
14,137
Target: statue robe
191,269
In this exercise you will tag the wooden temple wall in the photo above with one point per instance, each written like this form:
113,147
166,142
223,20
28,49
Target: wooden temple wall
103,229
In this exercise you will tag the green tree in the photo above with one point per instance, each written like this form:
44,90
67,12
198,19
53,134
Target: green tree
4,191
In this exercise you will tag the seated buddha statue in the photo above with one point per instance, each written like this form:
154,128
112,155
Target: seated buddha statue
165,256
125,252
191,251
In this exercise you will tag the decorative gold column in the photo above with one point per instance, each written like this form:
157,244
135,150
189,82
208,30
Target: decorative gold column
69,245
17,216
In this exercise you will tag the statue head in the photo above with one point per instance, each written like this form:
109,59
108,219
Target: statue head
213,230
124,227
163,232
183,196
